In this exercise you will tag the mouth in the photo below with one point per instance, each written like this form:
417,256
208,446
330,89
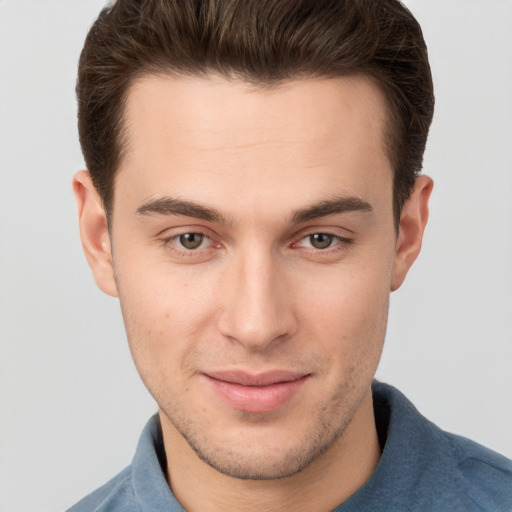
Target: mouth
256,393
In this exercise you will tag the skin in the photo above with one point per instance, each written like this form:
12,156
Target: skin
258,294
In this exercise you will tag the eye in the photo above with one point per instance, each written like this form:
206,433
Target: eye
190,246
187,243
323,244
191,241
321,240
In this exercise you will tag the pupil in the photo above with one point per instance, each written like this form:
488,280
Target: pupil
320,240
191,240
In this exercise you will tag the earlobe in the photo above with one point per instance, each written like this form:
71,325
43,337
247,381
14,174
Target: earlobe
412,226
94,232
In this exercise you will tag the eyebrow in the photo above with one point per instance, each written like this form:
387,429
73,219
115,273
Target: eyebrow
172,206
334,206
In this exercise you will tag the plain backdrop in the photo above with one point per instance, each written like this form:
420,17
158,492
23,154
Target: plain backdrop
71,403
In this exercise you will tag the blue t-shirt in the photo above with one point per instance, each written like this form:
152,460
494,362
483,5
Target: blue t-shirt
422,468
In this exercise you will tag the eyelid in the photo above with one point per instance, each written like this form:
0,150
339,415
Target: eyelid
337,232
339,238
340,245
175,231
182,229
168,240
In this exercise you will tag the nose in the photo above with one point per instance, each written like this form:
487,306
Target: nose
257,304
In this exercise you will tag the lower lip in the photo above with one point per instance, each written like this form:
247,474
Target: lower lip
257,399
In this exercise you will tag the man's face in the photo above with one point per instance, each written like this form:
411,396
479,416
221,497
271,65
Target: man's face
254,248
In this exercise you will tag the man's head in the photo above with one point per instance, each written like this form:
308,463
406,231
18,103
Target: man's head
263,42
253,237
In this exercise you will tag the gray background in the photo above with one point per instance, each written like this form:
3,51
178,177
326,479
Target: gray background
71,403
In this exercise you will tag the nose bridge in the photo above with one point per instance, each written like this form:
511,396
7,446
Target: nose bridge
257,309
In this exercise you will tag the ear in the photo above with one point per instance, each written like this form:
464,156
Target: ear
412,225
94,232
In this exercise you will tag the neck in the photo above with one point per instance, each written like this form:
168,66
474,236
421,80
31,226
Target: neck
323,485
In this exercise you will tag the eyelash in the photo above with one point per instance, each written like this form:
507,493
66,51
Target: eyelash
169,243
339,243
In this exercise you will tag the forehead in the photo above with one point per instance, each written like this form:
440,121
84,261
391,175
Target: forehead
215,106
209,138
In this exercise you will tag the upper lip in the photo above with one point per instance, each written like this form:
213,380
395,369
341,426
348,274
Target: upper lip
266,378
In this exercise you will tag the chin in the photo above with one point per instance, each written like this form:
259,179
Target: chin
268,455
258,466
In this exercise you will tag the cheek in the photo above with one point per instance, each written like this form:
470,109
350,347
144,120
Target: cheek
349,316
164,313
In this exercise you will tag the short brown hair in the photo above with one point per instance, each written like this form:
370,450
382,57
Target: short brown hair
261,41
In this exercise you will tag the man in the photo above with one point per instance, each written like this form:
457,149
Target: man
253,195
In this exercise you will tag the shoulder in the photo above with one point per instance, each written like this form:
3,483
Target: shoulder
435,469
115,496
141,486
484,475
